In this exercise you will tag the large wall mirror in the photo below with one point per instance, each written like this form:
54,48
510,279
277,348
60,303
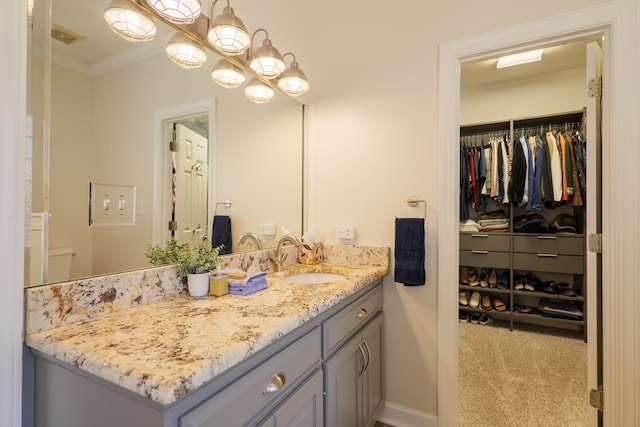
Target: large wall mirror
104,111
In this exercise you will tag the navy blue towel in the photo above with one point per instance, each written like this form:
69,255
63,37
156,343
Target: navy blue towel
409,251
221,234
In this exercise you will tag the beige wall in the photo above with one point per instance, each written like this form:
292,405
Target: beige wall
373,137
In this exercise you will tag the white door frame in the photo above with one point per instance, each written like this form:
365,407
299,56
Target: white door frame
162,181
618,20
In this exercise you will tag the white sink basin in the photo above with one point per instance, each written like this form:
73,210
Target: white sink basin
314,278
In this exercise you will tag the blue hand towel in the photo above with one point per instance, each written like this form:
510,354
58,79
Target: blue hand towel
249,280
409,251
249,289
221,234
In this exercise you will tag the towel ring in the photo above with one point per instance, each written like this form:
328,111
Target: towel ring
227,203
413,202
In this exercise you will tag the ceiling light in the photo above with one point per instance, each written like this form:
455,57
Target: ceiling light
258,92
266,60
177,11
186,52
520,58
292,80
130,21
227,32
227,74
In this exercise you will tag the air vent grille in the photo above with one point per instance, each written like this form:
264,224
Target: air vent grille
64,35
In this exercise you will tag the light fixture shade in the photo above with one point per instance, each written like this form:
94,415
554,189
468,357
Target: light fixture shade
520,58
130,21
267,61
227,75
228,33
293,81
185,52
258,92
177,11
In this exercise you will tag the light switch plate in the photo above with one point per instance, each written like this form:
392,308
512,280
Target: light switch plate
112,204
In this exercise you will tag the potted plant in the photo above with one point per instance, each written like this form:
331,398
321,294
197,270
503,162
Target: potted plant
193,261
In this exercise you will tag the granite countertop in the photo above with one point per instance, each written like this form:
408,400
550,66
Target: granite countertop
164,349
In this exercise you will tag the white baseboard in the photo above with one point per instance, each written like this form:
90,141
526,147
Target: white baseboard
401,416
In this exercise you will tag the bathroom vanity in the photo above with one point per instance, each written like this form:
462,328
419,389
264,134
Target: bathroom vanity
292,354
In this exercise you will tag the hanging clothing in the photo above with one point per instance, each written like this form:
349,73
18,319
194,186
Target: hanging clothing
464,186
556,167
535,170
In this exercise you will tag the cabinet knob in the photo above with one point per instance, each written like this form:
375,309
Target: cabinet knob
362,313
276,383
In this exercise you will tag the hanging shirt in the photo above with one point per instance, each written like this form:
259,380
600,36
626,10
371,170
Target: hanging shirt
556,167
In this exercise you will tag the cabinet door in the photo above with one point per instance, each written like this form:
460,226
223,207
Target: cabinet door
372,375
343,400
303,408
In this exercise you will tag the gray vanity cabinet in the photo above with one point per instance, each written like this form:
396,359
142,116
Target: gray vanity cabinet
353,379
302,409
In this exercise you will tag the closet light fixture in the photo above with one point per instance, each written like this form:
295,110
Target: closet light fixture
266,60
520,58
258,92
227,32
177,11
186,52
130,21
293,81
227,75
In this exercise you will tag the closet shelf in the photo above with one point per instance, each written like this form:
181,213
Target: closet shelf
487,290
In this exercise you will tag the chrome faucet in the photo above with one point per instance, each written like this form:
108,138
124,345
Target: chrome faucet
250,236
280,257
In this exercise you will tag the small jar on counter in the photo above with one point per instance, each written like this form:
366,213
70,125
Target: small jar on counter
218,284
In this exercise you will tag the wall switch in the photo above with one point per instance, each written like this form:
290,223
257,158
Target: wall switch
268,229
347,232
111,204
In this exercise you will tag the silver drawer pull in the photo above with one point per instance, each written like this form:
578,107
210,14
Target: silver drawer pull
362,313
548,237
480,252
479,235
276,383
548,255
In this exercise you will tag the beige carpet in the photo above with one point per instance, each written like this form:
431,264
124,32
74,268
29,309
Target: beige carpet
521,377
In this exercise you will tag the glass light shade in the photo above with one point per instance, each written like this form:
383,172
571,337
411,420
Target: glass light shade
258,92
267,61
228,33
130,21
177,11
227,74
293,81
185,52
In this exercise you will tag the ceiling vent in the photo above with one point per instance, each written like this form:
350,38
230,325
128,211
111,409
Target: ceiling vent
64,35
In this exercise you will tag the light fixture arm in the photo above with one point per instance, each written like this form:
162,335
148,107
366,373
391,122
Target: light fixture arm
290,53
213,5
256,32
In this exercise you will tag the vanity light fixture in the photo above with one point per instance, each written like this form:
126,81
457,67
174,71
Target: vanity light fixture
258,92
177,11
227,75
227,32
186,52
130,21
266,60
293,81
519,58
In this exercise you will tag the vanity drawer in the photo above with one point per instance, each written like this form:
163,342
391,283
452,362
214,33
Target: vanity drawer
548,262
549,244
484,258
340,326
484,241
243,399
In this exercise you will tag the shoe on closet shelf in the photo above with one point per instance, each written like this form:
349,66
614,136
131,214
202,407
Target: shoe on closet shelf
474,301
493,278
566,289
473,277
532,283
463,298
485,319
486,302
484,278
518,282
550,287
499,304
475,318
464,275
463,316
503,282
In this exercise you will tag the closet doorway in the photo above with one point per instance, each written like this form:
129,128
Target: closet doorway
512,337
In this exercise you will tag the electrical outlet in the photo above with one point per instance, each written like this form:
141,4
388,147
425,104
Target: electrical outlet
268,229
347,232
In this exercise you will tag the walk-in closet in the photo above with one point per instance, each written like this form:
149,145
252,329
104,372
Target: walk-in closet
522,297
